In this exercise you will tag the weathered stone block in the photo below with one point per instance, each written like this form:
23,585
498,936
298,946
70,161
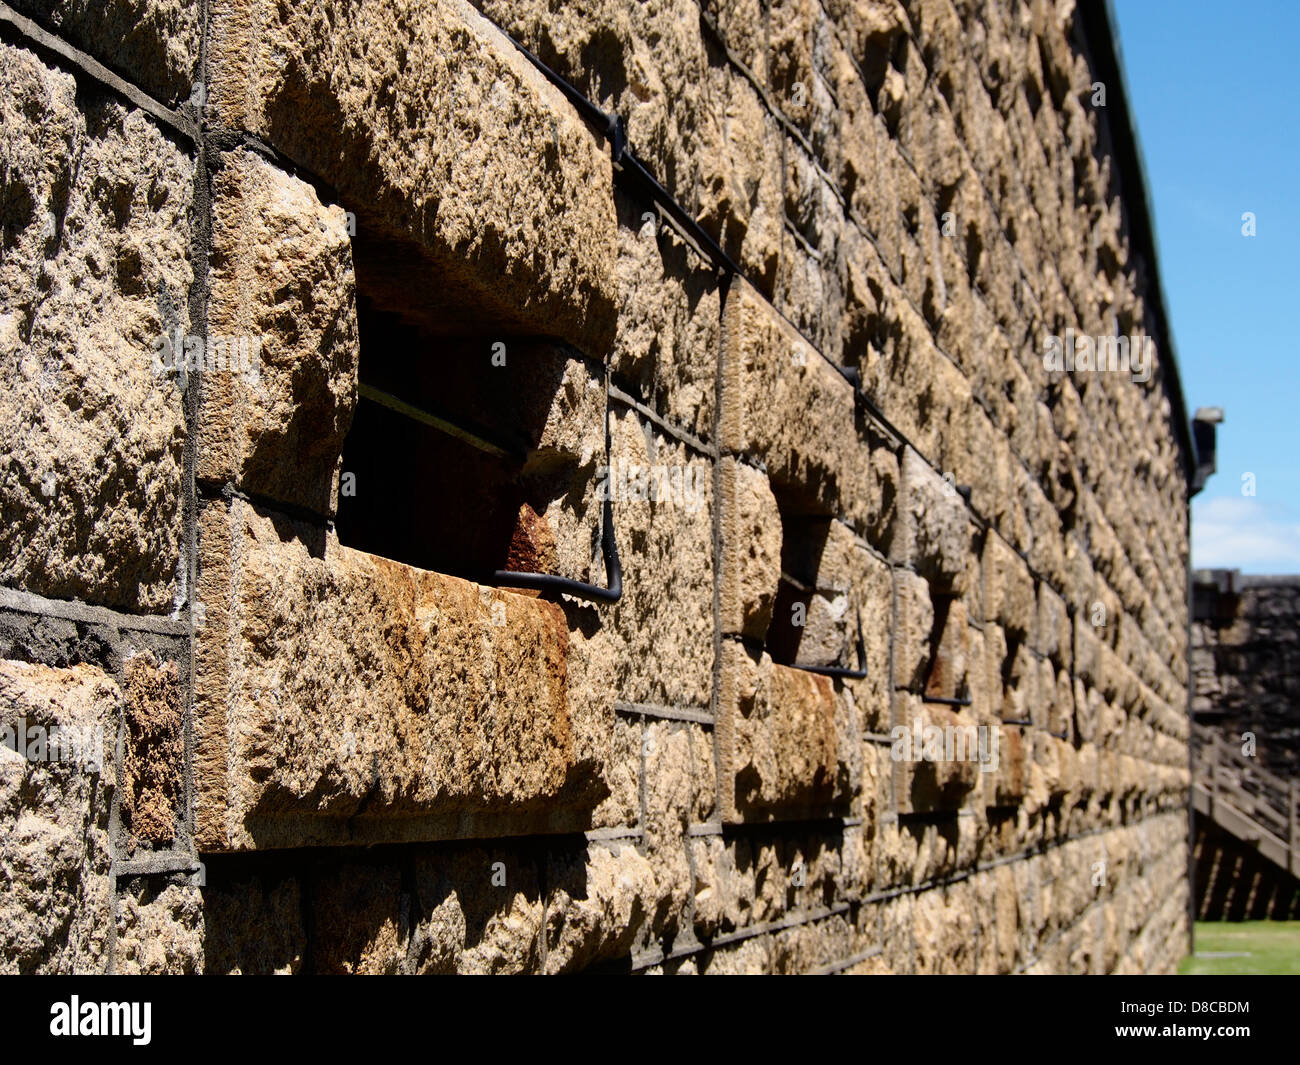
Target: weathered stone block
648,63
598,903
931,529
742,199
663,519
669,801
785,745
809,280
829,630
947,674
751,549
154,43
1020,675
56,911
356,922
96,269
441,133
1013,768
623,775
944,921
344,697
482,912
913,625
281,286
159,929
153,765
1010,588
666,344
871,597
784,405
937,763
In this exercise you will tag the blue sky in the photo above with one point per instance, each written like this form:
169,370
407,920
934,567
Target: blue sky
1214,94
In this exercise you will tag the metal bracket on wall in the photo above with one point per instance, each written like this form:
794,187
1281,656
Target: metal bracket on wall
464,433
548,582
946,701
834,671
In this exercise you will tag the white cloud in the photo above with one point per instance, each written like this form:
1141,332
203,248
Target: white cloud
1244,534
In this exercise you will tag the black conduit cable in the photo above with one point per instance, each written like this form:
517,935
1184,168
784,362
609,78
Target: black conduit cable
611,127
842,672
549,582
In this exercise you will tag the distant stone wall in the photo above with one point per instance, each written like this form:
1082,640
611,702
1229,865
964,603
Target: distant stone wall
316,316
1246,663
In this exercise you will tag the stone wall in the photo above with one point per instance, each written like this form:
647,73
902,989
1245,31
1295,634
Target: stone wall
1245,654
851,502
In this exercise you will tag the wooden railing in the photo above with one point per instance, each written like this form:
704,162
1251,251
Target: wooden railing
1258,807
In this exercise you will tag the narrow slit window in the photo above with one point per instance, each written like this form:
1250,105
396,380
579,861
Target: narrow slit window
441,467
813,625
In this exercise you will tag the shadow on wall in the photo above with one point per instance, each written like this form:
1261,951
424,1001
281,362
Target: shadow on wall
1234,883
433,909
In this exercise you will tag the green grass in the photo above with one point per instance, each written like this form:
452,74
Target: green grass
1271,948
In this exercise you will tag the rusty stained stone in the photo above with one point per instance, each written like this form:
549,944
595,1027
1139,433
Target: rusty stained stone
532,544
367,699
154,760
784,740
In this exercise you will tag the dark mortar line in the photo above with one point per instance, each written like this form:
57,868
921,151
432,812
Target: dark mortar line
47,43
613,836
209,491
687,916
668,713
200,253
642,786
159,863
682,436
837,967
715,685
115,833
796,920
17,601
891,681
